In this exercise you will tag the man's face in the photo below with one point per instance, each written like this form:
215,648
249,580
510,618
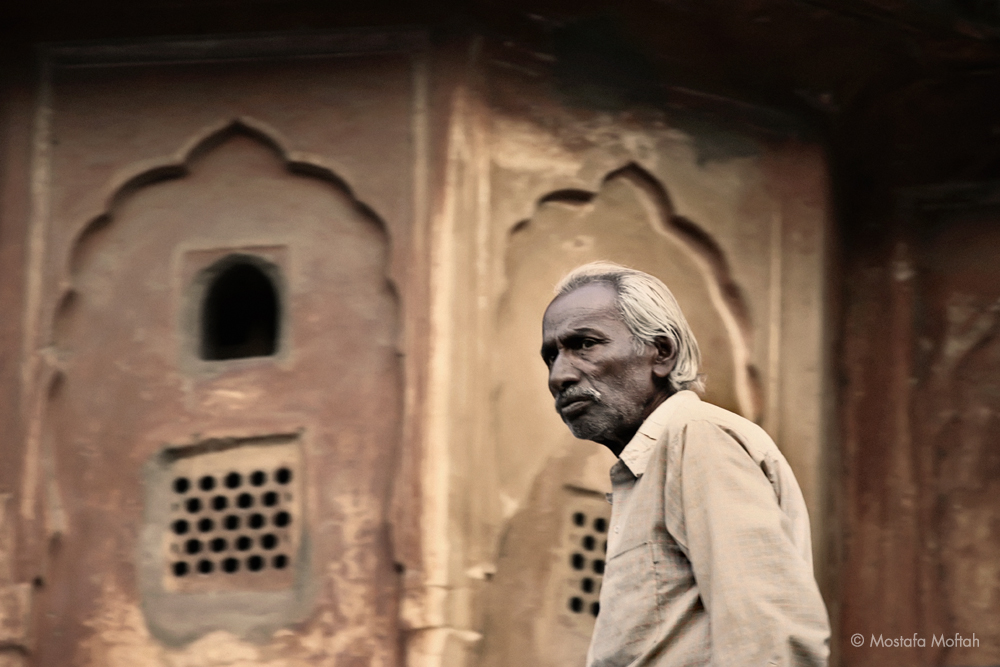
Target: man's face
604,388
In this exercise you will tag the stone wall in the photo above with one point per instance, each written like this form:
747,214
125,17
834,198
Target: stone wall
734,222
920,432
412,206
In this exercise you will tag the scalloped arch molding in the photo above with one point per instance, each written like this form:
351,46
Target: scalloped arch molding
631,220
124,384
542,468
184,163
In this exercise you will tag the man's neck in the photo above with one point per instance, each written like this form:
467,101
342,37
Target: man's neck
624,435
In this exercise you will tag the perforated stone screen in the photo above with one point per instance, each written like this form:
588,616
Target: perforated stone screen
585,541
234,519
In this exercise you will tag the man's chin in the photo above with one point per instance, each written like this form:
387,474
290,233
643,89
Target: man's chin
587,429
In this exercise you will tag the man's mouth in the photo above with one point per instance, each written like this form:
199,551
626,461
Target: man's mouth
574,407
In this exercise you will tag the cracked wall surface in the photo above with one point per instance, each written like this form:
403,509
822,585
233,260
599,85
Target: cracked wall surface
921,427
739,238
414,208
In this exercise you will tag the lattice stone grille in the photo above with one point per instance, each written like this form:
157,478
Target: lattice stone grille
234,519
586,544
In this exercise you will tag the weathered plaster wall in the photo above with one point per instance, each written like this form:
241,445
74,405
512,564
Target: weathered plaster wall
916,365
517,185
144,175
540,186
16,104
920,437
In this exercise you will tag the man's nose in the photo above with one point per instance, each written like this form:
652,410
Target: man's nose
562,374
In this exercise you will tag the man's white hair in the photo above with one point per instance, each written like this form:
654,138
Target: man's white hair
649,310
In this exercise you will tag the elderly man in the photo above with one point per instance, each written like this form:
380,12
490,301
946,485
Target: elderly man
709,559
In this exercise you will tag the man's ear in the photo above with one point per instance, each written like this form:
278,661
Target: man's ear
665,357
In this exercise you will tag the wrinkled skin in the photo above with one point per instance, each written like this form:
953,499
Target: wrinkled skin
604,384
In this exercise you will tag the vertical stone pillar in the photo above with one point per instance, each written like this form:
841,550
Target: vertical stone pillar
15,599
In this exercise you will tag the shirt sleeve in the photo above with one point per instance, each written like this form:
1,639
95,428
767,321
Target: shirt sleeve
760,595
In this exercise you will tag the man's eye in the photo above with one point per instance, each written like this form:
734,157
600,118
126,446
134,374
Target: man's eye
587,343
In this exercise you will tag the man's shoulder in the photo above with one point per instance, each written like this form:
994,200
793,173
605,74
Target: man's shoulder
693,410
691,407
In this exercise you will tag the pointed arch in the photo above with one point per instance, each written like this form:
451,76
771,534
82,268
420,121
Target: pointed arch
726,295
184,162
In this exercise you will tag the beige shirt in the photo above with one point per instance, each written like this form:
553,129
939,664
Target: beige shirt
709,559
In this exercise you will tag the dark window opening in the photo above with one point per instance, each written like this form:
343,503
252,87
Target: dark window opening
240,315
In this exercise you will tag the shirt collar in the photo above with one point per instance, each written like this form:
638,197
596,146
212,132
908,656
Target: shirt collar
636,454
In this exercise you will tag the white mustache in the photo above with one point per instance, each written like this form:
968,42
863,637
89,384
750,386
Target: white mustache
576,394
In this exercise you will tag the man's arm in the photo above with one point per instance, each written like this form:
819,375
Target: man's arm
761,597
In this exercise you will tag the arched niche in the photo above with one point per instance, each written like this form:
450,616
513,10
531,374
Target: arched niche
546,475
629,221
135,387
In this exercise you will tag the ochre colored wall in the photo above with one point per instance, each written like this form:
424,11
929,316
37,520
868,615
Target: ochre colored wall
143,175
488,182
456,191
734,224
920,433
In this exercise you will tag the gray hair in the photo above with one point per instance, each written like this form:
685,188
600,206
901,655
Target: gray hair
649,310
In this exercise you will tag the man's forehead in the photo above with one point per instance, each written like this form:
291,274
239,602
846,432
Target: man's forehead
594,303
